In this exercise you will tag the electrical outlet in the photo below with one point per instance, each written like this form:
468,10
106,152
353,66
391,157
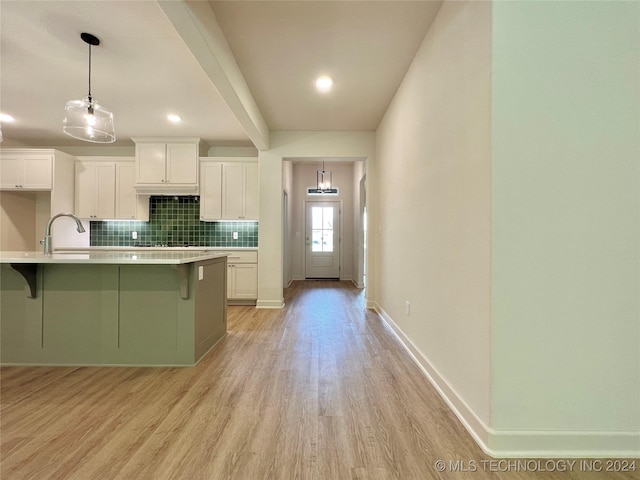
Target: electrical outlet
134,235
235,235
407,307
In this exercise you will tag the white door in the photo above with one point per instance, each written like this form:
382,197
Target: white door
322,240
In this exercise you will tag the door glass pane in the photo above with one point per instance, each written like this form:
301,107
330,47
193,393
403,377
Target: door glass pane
316,218
316,245
322,229
327,240
327,218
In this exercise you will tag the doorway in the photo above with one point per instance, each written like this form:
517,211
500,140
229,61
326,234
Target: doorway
322,239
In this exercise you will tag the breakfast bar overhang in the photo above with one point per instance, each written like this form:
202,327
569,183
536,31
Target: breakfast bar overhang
111,307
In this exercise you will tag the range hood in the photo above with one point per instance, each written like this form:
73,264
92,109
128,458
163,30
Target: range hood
169,189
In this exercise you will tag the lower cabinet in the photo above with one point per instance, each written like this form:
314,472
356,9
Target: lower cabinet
242,277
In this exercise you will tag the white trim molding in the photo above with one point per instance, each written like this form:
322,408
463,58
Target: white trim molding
270,303
518,444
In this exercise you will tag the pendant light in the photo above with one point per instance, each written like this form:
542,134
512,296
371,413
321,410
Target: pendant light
323,183
84,119
323,179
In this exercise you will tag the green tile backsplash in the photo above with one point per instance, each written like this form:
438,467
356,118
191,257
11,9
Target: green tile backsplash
174,221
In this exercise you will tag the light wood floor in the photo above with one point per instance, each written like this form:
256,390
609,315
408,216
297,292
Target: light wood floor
318,390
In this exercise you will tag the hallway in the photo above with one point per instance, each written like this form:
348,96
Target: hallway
318,390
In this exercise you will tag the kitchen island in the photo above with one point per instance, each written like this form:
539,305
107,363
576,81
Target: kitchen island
111,307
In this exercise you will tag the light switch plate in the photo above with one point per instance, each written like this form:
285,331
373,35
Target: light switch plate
200,272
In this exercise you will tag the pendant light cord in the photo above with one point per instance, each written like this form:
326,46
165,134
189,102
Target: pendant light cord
89,73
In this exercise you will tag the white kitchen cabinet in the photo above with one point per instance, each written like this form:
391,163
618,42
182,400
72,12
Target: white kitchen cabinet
240,191
129,205
105,190
26,171
167,165
210,191
242,276
228,189
95,190
46,176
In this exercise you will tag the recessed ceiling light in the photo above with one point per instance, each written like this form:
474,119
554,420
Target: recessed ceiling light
174,118
324,83
5,117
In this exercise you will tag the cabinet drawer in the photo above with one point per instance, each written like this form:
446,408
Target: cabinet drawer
242,257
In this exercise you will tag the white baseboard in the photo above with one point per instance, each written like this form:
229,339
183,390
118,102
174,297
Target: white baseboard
357,284
518,444
270,303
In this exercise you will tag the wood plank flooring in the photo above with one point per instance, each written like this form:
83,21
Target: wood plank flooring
318,390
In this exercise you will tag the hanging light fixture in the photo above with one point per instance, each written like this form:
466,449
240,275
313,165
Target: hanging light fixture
84,119
323,183
323,179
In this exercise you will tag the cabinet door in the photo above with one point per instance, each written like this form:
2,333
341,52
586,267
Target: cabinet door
38,172
246,281
105,190
85,189
231,281
210,191
232,191
95,190
251,192
126,200
182,163
11,172
151,162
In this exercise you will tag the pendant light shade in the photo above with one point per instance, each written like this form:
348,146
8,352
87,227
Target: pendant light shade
84,119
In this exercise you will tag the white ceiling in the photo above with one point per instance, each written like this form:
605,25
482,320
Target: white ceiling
144,69
365,46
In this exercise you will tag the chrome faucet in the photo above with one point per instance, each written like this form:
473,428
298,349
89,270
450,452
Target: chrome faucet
48,245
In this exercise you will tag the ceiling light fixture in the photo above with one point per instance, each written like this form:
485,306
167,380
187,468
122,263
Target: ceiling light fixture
174,118
84,119
324,83
323,183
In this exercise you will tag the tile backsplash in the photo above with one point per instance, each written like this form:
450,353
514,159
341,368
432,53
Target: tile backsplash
174,221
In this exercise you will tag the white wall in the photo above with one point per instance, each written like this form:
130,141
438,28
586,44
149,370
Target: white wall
509,216
17,220
304,176
434,172
566,235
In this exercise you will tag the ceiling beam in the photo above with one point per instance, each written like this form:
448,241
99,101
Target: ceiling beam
198,26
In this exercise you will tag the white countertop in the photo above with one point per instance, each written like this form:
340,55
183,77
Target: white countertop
154,249
138,257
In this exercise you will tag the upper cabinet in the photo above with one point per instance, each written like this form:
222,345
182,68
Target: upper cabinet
240,191
47,177
229,189
105,189
95,190
129,205
167,166
22,170
210,191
